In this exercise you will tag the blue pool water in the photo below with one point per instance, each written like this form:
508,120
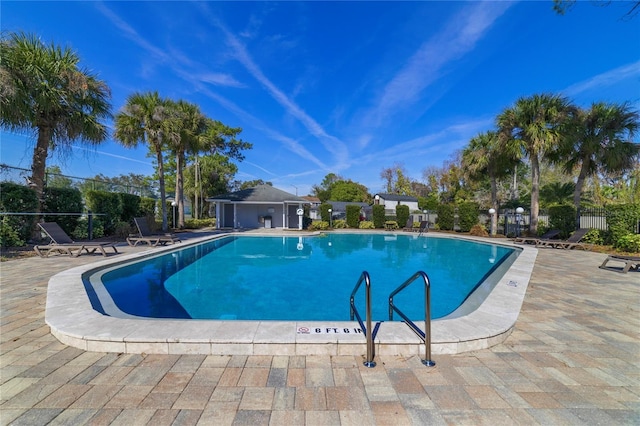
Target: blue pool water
300,278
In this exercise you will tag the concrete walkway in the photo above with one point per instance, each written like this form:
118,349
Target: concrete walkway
573,358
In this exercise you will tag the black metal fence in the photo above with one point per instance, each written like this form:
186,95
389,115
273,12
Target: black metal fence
512,223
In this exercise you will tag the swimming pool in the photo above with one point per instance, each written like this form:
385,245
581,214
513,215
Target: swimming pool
485,319
296,278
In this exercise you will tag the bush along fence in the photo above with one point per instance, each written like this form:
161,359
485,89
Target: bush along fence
102,213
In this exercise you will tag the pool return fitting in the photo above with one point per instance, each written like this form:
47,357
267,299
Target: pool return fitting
371,334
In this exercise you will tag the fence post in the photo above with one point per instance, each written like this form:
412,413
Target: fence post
90,231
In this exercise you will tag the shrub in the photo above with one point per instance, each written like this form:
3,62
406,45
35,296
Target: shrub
622,220
402,214
122,229
340,224
9,236
324,211
468,214
82,229
629,242
562,217
147,207
366,224
593,236
63,200
319,225
378,216
353,215
200,223
478,230
446,217
130,206
109,204
18,199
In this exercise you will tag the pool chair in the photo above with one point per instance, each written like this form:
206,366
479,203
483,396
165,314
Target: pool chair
409,226
570,243
424,227
61,243
631,263
147,237
549,235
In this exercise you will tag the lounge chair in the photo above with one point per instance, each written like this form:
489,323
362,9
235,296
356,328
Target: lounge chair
63,244
409,226
424,227
549,235
570,243
146,236
630,263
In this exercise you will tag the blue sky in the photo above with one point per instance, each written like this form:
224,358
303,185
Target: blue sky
334,87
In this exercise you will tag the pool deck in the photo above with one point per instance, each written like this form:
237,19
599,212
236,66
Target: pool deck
573,357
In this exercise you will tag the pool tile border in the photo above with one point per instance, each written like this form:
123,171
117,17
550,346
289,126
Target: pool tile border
74,322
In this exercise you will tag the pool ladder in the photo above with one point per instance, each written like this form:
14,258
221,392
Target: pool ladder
371,334
426,334
368,332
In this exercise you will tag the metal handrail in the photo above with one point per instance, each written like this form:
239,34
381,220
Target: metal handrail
426,335
368,331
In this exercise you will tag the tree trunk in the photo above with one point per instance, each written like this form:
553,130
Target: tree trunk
179,189
163,195
494,205
38,168
535,194
577,193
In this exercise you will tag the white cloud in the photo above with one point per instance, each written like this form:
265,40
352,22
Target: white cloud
605,79
460,35
331,143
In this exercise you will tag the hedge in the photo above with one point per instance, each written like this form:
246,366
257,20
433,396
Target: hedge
402,214
353,216
17,199
562,217
63,200
378,216
446,217
468,214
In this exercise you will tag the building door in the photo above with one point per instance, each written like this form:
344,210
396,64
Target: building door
228,216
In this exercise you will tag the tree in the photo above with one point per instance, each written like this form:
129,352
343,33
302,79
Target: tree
349,191
600,141
323,191
188,124
216,138
562,6
396,180
484,157
55,178
43,89
532,127
145,118
253,183
215,172
556,193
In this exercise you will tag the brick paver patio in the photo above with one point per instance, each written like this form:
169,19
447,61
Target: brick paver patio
573,358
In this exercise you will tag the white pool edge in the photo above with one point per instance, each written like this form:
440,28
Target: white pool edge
74,322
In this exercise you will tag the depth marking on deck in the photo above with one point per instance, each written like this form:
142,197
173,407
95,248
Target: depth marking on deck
329,330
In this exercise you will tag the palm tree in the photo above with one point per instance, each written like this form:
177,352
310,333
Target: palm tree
534,126
147,118
189,125
600,142
485,157
42,89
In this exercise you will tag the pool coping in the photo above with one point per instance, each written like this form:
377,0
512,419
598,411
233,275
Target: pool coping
74,322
